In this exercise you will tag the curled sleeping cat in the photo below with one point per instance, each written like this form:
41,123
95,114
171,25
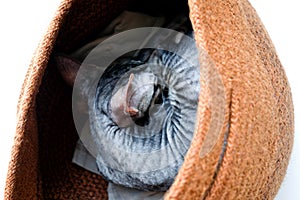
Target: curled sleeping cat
141,110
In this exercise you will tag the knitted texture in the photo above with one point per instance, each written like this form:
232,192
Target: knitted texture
259,108
250,157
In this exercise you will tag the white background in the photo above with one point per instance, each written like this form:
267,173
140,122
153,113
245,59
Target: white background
24,22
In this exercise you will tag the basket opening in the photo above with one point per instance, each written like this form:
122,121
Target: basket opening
58,176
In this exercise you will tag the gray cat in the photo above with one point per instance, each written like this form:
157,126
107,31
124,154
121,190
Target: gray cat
140,112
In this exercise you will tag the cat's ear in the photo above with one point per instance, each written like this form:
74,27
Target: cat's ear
68,68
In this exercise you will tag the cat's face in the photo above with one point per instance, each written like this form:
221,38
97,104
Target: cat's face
132,96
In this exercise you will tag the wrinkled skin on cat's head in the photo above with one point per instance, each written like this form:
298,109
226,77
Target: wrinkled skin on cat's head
129,102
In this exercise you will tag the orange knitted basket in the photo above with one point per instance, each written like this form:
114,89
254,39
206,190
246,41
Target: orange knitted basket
249,158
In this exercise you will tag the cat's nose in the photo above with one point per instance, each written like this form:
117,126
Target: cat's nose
122,112
132,101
